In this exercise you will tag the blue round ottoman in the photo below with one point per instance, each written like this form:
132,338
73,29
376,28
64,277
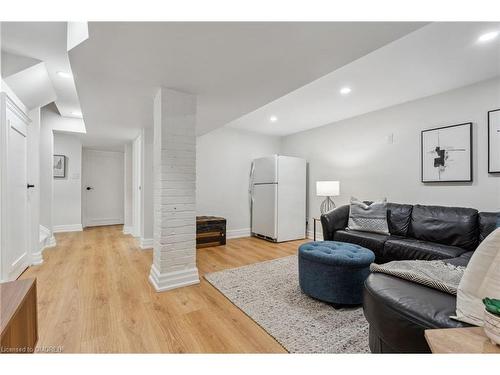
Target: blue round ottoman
334,271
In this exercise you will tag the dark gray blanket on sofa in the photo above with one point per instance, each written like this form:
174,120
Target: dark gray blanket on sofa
435,274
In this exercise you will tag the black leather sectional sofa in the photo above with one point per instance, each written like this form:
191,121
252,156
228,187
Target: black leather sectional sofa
397,310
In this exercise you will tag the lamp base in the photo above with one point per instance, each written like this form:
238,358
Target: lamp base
327,205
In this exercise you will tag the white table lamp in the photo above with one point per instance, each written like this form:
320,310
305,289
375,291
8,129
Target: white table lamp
327,189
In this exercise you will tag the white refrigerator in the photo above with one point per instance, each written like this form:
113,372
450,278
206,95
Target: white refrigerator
278,198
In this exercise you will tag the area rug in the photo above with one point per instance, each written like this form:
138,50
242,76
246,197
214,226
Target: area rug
269,293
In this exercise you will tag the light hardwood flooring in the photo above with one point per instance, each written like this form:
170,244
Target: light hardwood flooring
94,296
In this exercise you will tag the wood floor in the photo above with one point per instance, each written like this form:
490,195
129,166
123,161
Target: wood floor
94,297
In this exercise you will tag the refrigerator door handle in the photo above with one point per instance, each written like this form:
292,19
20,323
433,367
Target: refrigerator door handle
250,184
250,194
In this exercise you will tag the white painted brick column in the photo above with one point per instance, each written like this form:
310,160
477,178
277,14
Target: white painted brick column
174,157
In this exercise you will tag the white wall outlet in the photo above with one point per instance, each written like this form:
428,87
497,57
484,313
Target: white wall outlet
390,138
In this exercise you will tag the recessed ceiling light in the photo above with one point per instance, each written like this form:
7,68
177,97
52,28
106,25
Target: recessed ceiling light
64,74
273,119
345,90
77,113
488,36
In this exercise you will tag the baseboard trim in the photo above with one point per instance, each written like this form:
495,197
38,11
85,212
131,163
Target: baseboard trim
173,280
146,243
37,258
67,228
127,229
238,233
51,243
102,222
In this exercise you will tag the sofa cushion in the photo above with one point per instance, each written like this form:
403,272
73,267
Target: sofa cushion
398,217
399,248
481,279
488,222
368,217
453,226
409,307
371,241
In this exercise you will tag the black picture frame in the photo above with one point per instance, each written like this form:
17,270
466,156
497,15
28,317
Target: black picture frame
470,158
489,142
61,158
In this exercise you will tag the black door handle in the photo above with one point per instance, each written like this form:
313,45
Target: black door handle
89,188
30,186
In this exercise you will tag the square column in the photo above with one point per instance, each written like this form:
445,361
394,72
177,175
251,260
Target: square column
174,169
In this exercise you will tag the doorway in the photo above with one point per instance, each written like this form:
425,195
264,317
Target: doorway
103,176
14,257
136,185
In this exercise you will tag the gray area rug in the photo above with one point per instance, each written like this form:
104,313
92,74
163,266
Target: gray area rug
269,293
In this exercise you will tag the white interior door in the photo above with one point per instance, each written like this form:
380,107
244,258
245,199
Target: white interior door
15,257
264,210
103,187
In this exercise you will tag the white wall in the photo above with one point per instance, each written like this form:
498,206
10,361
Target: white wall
51,121
128,220
146,237
357,153
223,159
136,187
46,170
62,124
67,207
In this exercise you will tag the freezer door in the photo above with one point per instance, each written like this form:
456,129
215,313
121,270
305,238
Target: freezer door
264,210
265,170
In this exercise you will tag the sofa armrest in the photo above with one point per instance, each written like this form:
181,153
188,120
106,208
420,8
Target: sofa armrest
333,221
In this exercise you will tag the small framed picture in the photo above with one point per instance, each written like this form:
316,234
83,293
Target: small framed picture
447,154
494,141
59,166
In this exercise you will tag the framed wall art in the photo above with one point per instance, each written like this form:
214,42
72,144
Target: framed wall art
494,141
447,154
59,166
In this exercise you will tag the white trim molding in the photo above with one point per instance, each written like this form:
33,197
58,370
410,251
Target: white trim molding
145,243
46,239
101,222
172,280
127,229
238,233
37,258
67,228
52,242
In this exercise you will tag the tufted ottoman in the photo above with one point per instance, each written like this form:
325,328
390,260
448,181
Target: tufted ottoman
334,271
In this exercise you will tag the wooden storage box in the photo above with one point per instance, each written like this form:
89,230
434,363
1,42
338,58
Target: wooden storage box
18,316
210,231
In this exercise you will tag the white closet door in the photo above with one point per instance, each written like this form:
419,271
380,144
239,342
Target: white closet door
16,251
103,188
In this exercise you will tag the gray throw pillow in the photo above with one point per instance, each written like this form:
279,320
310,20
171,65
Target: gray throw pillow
368,217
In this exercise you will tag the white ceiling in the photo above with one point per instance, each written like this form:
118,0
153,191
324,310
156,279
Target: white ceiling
33,86
233,68
46,42
436,58
243,73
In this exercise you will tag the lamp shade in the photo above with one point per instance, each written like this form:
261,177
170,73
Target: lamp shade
327,188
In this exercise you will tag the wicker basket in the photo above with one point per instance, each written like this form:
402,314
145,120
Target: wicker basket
492,327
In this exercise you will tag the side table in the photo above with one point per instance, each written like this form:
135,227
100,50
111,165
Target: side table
315,219
460,340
